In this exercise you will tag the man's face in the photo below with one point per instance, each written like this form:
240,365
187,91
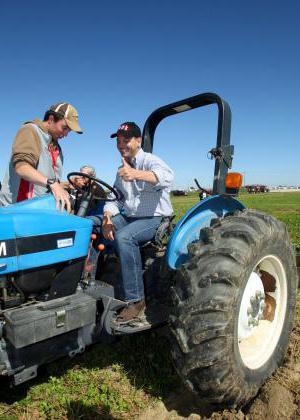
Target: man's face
83,180
128,148
58,129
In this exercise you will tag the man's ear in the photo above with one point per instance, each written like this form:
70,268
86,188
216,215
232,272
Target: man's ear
139,139
51,119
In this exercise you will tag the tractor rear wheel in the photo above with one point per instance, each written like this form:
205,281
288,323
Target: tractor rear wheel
233,307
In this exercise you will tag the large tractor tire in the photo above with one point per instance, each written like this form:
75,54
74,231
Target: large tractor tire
233,307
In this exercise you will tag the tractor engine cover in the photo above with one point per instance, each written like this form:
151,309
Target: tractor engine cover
31,324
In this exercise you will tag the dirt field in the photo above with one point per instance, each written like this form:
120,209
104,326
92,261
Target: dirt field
278,399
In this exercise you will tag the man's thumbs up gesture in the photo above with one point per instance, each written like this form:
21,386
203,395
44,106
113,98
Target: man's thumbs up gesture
126,172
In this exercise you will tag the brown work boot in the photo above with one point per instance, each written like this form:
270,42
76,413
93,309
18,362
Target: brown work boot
130,312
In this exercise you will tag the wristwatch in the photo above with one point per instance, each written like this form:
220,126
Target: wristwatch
51,181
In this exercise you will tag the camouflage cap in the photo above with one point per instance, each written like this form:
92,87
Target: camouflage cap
69,113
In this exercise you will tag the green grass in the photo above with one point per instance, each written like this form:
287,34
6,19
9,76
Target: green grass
122,379
283,206
107,381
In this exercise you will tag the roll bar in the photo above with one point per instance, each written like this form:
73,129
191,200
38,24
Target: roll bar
222,153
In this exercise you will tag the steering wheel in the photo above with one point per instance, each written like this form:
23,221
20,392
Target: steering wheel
90,187
89,192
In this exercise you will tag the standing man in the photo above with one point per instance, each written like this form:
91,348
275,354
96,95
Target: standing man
36,163
144,181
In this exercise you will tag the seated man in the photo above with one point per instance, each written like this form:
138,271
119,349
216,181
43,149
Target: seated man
144,181
80,183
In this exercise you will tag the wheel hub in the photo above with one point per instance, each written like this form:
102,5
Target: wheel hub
252,306
261,316
256,308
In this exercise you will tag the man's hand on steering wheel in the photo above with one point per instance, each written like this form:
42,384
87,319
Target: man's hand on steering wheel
90,187
91,190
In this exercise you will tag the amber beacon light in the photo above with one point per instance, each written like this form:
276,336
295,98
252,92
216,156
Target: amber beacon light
233,182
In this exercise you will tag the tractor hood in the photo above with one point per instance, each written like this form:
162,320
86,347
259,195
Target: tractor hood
35,234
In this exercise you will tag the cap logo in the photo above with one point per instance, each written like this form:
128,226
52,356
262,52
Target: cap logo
67,111
124,127
59,106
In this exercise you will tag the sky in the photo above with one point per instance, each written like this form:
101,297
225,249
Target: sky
118,61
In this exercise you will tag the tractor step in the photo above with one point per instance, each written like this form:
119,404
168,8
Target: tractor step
154,315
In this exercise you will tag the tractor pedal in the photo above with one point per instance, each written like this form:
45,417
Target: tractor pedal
136,325
154,316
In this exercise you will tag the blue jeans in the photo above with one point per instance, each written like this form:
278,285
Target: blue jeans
130,233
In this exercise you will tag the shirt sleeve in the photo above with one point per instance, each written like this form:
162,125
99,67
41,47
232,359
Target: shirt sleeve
163,173
114,207
26,146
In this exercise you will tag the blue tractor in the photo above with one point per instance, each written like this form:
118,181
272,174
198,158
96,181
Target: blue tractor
223,279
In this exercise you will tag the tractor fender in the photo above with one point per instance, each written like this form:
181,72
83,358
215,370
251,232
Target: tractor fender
188,228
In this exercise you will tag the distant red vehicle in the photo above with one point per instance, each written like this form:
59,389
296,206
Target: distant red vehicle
257,188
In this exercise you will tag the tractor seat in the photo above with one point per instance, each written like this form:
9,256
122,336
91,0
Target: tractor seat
164,231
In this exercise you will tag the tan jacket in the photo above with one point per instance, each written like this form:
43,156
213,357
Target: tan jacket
34,145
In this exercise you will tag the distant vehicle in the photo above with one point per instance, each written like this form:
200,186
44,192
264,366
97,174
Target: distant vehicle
176,193
257,188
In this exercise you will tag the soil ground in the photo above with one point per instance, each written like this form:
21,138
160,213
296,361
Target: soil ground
278,399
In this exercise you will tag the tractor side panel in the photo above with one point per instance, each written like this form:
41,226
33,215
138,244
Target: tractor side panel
45,239
188,228
8,254
35,234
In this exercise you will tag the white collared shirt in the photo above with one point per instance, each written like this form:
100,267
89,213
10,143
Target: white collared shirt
141,198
